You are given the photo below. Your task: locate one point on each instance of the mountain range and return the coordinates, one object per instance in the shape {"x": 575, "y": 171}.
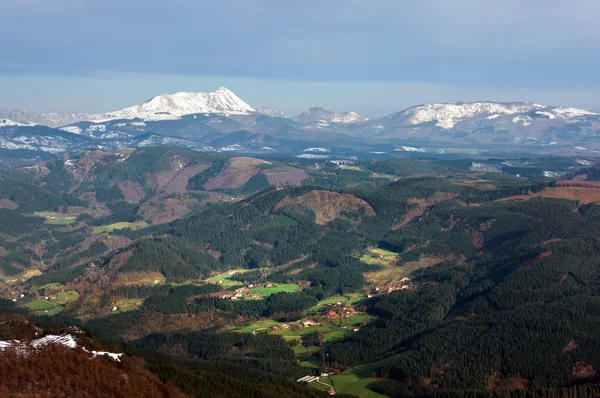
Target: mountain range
{"x": 221, "y": 121}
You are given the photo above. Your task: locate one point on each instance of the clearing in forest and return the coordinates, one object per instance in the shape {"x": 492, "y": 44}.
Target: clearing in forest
{"x": 392, "y": 269}
{"x": 356, "y": 380}
{"x": 224, "y": 279}
{"x": 237, "y": 172}
{"x": 54, "y": 218}
{"x": 328, "y": 205}
{"x": 120, "y": 225}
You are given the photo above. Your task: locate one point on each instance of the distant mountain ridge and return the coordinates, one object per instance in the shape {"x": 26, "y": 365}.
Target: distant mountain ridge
{"x": 447, "y": 115}
{"x": 221, "y": 121}
{"x": 161, "y": 107}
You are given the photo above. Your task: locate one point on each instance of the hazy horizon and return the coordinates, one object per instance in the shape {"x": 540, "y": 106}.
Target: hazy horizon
{"x": 374, "y": 57}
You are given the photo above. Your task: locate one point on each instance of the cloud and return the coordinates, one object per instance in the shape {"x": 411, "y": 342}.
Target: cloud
{"x": 515, "y": 43}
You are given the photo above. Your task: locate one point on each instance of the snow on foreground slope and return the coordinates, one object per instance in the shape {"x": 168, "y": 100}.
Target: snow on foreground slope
{"x": 172, "y": 106}
{"x": 66, "y": 340}
{"x": 447, "y": 115}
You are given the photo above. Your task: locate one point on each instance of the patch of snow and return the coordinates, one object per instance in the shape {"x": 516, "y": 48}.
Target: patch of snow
{"x": 494, "y": 116}
{"x": 347, "y": 118}
{"x": 316, "y": 150}
{"x": 71, "y": 129}
{"x": 573, "y": 112}
{"x": 66, "y": 339}
{"x": 377, "y": 153}
{"x": 554, "y": 174}
{"x": 12, "y": 123}
{"x": 115, "y": 134}
{"x": 547, "y": 114}
{"x": 581, "y": 148}
{"x": 524, "y": 119}
{"x": 116, "y": 357}
{"x": 232, "y": 148}
{"x": 96, "y": 128}
{"x": 267, "y": 148}
{"x": 409, "y": 149}
{"x": 312, "y": 156}
{"x": 484, "y": 168}
{"x": 583, "y": 162}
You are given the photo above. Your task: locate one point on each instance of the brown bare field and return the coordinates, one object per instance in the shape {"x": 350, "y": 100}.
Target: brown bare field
{"x": 511, "y": 384}
{"x": 161, "y": 209}
{"x": 572, "y": 346}
{"x": 236, "y": 173}
{"x": 579, "y": 194}
{"x": 8, "y": 204}
{"x": 328, "y": 205}
{"x": 286, "y": 176}
{"x": 581, "y": 370}
{"x": 531, "y": 262}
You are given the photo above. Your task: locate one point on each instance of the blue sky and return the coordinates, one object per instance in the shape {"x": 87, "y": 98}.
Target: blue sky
{"x": 371, "y": 56}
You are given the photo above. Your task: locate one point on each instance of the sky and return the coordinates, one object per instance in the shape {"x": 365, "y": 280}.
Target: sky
{"x": 371, "y": 56}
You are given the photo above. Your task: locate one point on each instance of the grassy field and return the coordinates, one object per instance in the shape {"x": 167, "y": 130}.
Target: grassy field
{"x": 390, "y": 273}
{"x": 302, "y": 356}
{"x": 52, "y": 306}
{"x": 125, "y": 305}
{"x": 224, "y": 279}
{"x": 40, "y": 305}
{"x": 30, "y": 274}
{"x": 120, "y": 225}
{"x": 268, "y": 291}
{"x": 347, "y": 300}
{"x": 264, "y": 324}
{"x": 63, "y": 298}
{"x": 56, "y": 218}
{"x": 380, "y": 257}
{"x": 355, "y": 380}
{"x": 333, "y": 330}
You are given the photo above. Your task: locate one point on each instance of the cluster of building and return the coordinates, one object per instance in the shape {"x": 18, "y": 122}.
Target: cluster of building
{"x": 241, "y": 292}
{"x": 392, "y": 288}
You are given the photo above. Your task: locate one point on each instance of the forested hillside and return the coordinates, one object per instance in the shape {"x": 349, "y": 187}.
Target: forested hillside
{"x": 402, "y": 277}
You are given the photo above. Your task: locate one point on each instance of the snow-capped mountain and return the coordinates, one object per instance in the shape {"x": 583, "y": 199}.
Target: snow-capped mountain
{"x": 51, "y": 119}
{"x": 323, "y": 117}
{"x": 272, "y": 112}
{"x": 161, "y": 107}
{"x": 446, "y": 116}
{"x": 172, "y": 106}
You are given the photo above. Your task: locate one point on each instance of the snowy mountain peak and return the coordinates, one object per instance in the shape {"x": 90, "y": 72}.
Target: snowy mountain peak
{"x": 172, "y": 106}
